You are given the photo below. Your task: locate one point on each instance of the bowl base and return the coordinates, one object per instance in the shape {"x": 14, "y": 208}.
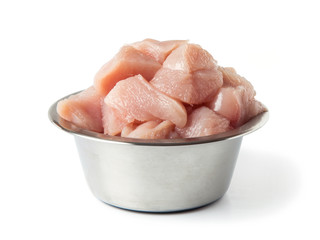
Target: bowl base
{"x": 163, "y": 212}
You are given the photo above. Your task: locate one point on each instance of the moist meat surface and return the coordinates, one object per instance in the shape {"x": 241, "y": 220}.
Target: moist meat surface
{"x": 163, "y": 89}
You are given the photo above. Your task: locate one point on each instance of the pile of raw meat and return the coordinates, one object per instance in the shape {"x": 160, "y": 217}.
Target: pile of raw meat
{"x": 159, "y": 90}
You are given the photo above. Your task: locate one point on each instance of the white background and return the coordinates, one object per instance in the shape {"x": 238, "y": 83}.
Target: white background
{"x": 49, "y": 49}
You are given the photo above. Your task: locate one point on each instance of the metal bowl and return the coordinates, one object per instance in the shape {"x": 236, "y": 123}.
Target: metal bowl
{"x": 158, "y": 175}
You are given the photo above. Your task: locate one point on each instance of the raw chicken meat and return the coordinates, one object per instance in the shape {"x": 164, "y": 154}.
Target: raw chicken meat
{"x": 236, "y": 104}
{"x": 149, "y": 130}
{"x": 254, "y": 108}
{"x": 189, "y": 74}
{"x": 235, "y": 100}
{"x": 163, "y": 90}
{"x": 111, "y": 120}
{"x": 189, "y": 88}
{"x": 127, "y": 63}
{"x": 83, "y": 109}
{"x": 156, "y": 49}
{"x": 190, "y": 58}
{"x": 203, "y": 122}
{"x": 232, "y": 79}
{"x": 136, "y": 99}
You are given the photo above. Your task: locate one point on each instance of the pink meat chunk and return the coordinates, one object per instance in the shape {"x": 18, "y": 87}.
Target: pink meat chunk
{"x": 136, "y": 99}
{"x": 254, "y": 108}
{"x": 174, "y": 135}
{"x": 149, "y": 130}
{"x": 194, "y": 88}
{"x": 232, "y": 79}
{"x": 190, "y": 58}
{"x": 163, "y": 90}
{"x": 236, "y": 104}
{"x": 159, "y": 51}
{"x": 189, "y": 74}
{"x": 127, "y": 63}
{"x": 111, "y": 120}
{"x": 83, "y": 109}
{"x": 203, "y": 122}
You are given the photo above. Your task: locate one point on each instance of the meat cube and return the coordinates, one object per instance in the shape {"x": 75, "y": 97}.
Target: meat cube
{"x": 236, "y": 104}
{"x": 159, "y": 51}
{"x": 127, "y": 63}
{"x": 83, "y": 109}
{"x": 154, "y": 129}
{"x": 203, "y": 122}
{"x": 136, "y": 99}
{"x": 190, "y": 58}
{"x": 189, "y": 74}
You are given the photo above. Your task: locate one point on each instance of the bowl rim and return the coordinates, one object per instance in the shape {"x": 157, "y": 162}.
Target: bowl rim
{"x": 249, "y": 127}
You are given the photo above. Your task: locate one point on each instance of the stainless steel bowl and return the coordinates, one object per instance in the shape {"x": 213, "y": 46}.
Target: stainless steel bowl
{"x": 158, "y": 175}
